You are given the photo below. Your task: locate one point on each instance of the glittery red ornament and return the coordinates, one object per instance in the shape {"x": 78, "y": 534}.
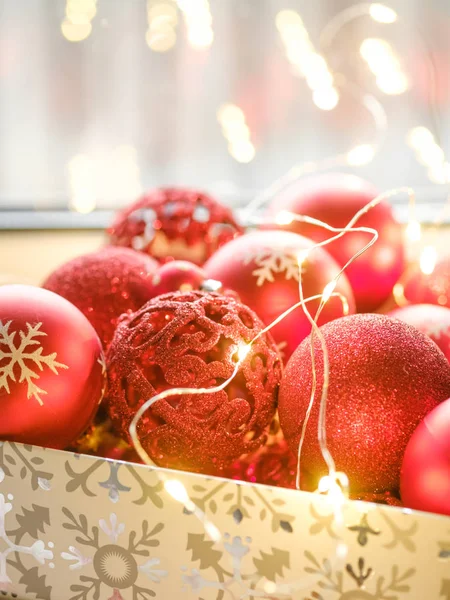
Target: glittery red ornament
{"x": 192, "y": 339}
{"x": 419, "y": 288}
{"x": 425, "y": 475}
{"x": 272, "y": 464}
{"x": 105, "y": 284}
{"x": 52, "y": 371}
{"x": 262, "y": 267}
{"x": 177, "y": 276}
{"x": 335, "y": 198}
{"x": 385, "y": 376}
{"x": 430, "y": 319}
{"x": 175, "y": 223}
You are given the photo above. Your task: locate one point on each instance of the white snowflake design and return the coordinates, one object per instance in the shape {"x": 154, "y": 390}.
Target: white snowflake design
{"x": 272, "y": 261}
{"x": 17, "y": 355}
{"x": 37, "y": 549}
{"x": 437, "y": 330}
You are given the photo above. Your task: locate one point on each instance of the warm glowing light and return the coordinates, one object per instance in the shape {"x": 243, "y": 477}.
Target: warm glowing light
{"x": 270, "y": 587}
{"x": 177, "y": 490}
{"x": 420, "y": 136}
{"x": 161, "y": 41}
{"x": 163, "y": 9}
{"x": 229, "y": 113}
{"x": 83, "y": 202}
{"x": 242, "y": 151}
{"x": 284, "y": 217}
{"x": 384, "y": 64}
{"x": 75, "y": 32}
{"x": 328, "y": 290}
{"x": 382, "y": 13}
{"x": 237, "y": 132}
{"x": 440, "y": 173}
{"x": 414, "y": 231}
{"x": 243, "y": 351}
{"x": 305, "y": 61}
{"x": 428, "y": 260}
{"x": 212, "y": 531}
{"x": 361, "y": 155}
{"x": 431, "y": 154}
{"x": 392, "y": 83}
{"x": 302, "y": 257}
{"x": 326, "y": 99}
{"x": 198, "y": 19}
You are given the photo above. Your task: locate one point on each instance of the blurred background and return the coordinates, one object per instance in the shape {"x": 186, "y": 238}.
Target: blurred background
{"x": 100, "y": 100}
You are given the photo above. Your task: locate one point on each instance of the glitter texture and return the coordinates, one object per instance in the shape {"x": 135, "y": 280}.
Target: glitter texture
{"x": 175, "y": 223}
{"x": 105, "y": 284}
{"x": 385, "y": 376}
{"x": 191, "y": 340}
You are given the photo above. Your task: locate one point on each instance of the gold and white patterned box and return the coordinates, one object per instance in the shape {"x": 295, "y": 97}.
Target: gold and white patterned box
{"x": 81, "y": 528}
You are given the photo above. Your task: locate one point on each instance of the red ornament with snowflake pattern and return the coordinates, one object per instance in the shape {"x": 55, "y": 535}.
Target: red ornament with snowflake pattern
{"x": 175, "y": 223}
{"x": 52, "y": 371}
{"x": 192, "y": 340}
{"x": 262, "y": 268}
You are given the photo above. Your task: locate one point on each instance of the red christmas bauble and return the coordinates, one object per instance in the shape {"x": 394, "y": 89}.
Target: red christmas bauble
{"x": 430, "y": 319}
{"x": 177, "y": 276}
{"x": 262, "y": 267}
{"x": 105, "y": 284}
{"x": 175, "y": 223}
{"x": 385, "y": 376}
{"x": 272, "y": 464}
{"x": 52, "y": 370}
{"x": 425, "y": 475}
{"x": 335, "y": 198}
{"x": 192, "y": 340}
{"x": 419, "y": 288}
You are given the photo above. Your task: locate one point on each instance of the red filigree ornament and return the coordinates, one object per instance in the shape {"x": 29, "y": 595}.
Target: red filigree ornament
{"x": 335, "y": 198}
{"x": 177, "y": 276}
{"x": 433, "y": 288}
{"x": 262, "y": 267}
{"x": 175, "y": 223}
{"x": 52, "y": 370}
{"x": 385, "y": 376}
{"x": 105, "y": 284}
{"x": 430, "y": 319}
{"x": 425, "y": 475}
{"x": 193, "y": 340}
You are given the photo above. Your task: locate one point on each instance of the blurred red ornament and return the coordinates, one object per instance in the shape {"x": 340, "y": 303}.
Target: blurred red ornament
{"x": 273, "y": 464}
{"x": 385, "y": 376}
{"x": 52, "y": 371}
{"x": 177, "y": 276}
{"x": 430, "y": 319}
{"x": 425, "y": 476}
{"x": 193, "y": 340}
{"x": 105, "y": 284}
{"x": 262, "y": 268}
{"x": 335, "y": 198}
{"x": 175, "y": 223}
{"x": 434, "y": 288}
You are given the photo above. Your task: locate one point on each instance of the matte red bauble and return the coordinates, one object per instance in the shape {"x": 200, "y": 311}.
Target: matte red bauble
{"x": 419, "y": 288}
{"x": 385, "y": 376}
{"x": 425, "y": 476}
{"x": 430, "y": 319}
{"x": 177, "y": 276}
{"x": 175, "y": 223}
{"x": 192, "y": 340}
{"x": 104, "y": 285}
{"x": 335, "y": 198}
{"x": 52, "y": 371}
{"x": 262, "y": 267}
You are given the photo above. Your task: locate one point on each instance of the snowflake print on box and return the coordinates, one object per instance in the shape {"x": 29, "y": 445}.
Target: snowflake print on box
{"x": 51, "y": 371}
{"x": 262, "y": 267}
{"x": 19, "y": 355}
{"x": 30, "y": 522}
{"x": 110, "y": 564}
